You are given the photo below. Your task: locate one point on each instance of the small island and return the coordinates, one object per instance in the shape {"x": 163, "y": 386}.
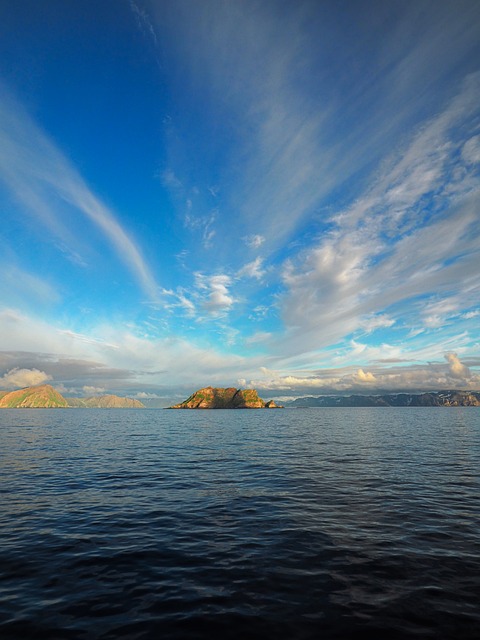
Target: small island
{"x": 230, "y": 398}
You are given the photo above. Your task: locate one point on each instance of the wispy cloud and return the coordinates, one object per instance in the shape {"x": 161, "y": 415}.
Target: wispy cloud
{"x": 48, "y": 186}
{"x": 414, "y": 233}
{"x": 144, "y": 22}
{"x": 254, "y": 241}
{"x": 374, "y": 322}
{"x": 16, "y": 281}
{"x": 308, "y": 132}
{"x": 204, "y": 225}
{"x": 253, "y": 269}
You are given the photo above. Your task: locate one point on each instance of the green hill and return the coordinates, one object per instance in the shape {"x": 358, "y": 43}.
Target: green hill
{"x": 106, "y": 402}
{"x": 41, "y": 397}
{"x": 46, "y": 397}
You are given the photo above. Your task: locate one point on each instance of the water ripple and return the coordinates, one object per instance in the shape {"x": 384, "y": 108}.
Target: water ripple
{"x": 341, "y": 523}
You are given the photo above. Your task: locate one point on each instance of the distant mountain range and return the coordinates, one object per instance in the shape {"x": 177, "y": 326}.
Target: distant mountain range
{"x": 46, "y": 397}
{"x": 432, "y": 399}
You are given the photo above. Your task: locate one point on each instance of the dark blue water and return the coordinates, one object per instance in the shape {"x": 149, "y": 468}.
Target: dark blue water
{"x": 321, "y": 523}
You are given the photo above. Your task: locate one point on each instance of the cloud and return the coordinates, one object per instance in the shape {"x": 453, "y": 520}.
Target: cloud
{"x": 381, "y": 378}
{"x": 471, "y": 314}
{"x": 363, "y": 377}
{"x": 252, "y": 269}
{"x": 260, "y": 337}
{"x": 414, "y": 233}
{"x": 254, "y": 241}
{"x": 203, "y": 224}
{"x": 170, "y": 180}
{"x": 456, "y": 368}
{"x": 144, "y": 22}
{"x": 47, "y": 185}
{"x": 218, "y": 301}
{"x": 471, "y": 150}
{"x": 86, "y": 339}
{"x": 16, "y": 283}
{"x": 372, "y": 323}
{"x": 93, "y": 391}
{"x": 181, "y": 302}
{"x": 143, "y": 395}
{"x": 142, "y": 363}
{"x": 20, "y": 378}
{"x": 311, "y": 125}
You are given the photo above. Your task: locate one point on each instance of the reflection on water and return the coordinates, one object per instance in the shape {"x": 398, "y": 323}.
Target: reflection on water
{"x": 331, "y": 523}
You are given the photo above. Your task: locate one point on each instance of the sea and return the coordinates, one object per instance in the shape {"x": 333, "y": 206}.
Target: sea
{"x": 282, "y": 524}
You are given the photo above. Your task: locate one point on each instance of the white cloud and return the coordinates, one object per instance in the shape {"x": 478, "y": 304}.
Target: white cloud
{"x": 213, "y": 293}
{"x": 202, "y": 224}
{"x": 456, "y": 368}
{"x": 144, "y": 22}
{"x": 254, "y": 241}
{"x": 380, "y": 321}
{"x": 181, "y": 302}
{"x": 471, "y": 150}
{"x": 420, "y": 377}
{"x": 20, "y": 378}
{"x": 86, "y": 339}
{"x": 169, "y": 179}
{"x": 252, "y": 269}
{"x": 361, "y": 352}
{"x": 93, "y": 391}
{"x": 260, "y": 337}
{"x": 16, "y": 282}
{"x": 363, "y": 377}
{"x": 219, "y": 300}
{"x": 168, "y": 362}
{"x": 143, "y": 395}
{"x": 387, "y": 247}
{"x": 293, "y": 157}
{"x": 44, "y": 181}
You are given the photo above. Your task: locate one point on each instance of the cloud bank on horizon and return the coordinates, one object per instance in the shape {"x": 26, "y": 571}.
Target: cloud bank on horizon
{"x": 282, "y": 195}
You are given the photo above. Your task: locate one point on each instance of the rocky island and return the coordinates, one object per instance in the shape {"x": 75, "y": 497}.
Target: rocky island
{"x": 230, "y": 398}
{"x": 46, "y": 397}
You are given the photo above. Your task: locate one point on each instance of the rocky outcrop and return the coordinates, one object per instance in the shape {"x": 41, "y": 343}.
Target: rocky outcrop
{"x": 230, "y": 398}
{"x": 46, "y": 397}
{"x": 272, "y": 405}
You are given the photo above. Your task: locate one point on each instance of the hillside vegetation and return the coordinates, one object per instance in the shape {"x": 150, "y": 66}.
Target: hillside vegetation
{"x": 42, "y": 397}
{"x": 229, "y": 398}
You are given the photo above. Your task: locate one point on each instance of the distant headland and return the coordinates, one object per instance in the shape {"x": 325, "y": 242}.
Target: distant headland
{"x": 230, "y": 398}
{"x": 46, "y": 397}
{"x": 431, "y": 399}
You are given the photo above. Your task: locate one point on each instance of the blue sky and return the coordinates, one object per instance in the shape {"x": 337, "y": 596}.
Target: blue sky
{"x": 271, "y": 194}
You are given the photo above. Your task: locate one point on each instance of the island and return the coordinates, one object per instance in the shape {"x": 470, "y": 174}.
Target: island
{"x": 230, "y": 398}
{"x": 46, "y": 397}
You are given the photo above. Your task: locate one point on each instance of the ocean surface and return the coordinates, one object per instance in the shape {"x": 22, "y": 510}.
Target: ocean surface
{"x": 301, "y": 523}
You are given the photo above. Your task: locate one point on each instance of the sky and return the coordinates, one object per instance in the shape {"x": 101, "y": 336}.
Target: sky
{"x": 279, "y": 195}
